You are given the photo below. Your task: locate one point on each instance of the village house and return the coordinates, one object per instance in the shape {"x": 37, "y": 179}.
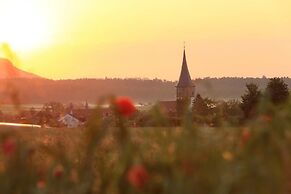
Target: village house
{"x": 70, "y": 121}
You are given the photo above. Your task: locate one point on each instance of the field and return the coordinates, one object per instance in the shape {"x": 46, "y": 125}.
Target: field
{"x": 108, "y": 157}
{"x": 12, "y": 110}
{"x": 44, "y": 136}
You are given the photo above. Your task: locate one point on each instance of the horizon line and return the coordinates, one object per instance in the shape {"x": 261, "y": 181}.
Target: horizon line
{"x": 144, "y": 78}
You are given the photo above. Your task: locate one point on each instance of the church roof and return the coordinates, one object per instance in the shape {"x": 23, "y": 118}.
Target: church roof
{"x": 185, "y": 78}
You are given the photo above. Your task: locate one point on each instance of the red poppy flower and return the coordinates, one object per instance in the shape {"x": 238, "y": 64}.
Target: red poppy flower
{"x": 40, "y": 184}
{"x": 58, "y": 171}
{"x": 245, "y": 136}
{"x": 124, "y": 106}
{"x": 137, "y": 176}
{"x": 9, "y": 146}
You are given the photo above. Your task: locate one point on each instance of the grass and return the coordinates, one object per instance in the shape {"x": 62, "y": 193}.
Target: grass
{"x": 253, "y": 158}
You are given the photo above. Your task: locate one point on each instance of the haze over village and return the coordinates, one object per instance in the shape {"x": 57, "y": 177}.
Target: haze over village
{"x": 74, "y": 100}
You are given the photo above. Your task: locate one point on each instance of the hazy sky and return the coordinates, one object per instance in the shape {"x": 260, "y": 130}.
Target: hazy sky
{"x": 144, "y": 38}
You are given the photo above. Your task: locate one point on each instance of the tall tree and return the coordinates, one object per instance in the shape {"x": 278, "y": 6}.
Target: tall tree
{"x": 230, "y": 109}
{"x": 203, "y": 106}
{"x": 250, "y": 100}
{"x": 199, "y": 106}
{"x": 277, "y": 91}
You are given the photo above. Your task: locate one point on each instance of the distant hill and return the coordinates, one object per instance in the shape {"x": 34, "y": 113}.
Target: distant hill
{"x": 230, "y": 87}
{"x": 141, "y": 90}
{"x": 9, "y": 71}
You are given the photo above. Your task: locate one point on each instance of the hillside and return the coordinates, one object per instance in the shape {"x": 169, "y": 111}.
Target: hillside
{"x": 9, "y": 71}
{"x": 141, "y": 90}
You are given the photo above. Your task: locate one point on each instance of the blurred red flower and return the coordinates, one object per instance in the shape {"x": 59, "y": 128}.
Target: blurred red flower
{"x": 125, "y": 106}
{"x": 188, "y": 167}
{"x": 9, "y": 146}
{"x": 58, "y": 171}
{"x": 40, "y": 184}
{"x": 266, "y": 118}
{"x": 245, "y": 136}
{"x": 137, "y": 176}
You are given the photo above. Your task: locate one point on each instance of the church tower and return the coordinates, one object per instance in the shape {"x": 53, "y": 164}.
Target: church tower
{"x": 185, "y": 87}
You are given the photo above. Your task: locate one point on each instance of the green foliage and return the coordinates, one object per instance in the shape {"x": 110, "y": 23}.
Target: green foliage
{"x": 277, "y": 91}
{"x": 214, "y": 113}
{"x": 50, "y": 114}
{"x": 230, "y": 111}
{"x": 203, "y": 106}
{"x": 250, "y": 100}
{"x": 107, "y": 157}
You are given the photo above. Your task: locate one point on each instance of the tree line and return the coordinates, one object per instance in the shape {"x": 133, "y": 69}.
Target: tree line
{"x": 40, "y": 91}
{"x": 214, "y": 112}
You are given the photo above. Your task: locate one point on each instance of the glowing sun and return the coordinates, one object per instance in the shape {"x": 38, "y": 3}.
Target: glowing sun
{"x": 24, "y": 25}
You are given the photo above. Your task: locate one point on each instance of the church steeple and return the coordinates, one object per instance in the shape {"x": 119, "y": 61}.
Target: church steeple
{"x": 185, "y": 86}
{"x": 185, "y": 78}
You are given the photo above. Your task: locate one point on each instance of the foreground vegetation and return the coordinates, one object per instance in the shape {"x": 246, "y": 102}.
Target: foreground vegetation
{"x": 108, "y": 157}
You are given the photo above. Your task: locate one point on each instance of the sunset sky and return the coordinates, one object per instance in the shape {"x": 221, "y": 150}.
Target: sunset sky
{"x": 144, "y": 38}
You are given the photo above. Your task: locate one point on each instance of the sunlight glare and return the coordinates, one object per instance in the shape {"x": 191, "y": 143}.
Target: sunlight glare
{"x": 23, "y": 25}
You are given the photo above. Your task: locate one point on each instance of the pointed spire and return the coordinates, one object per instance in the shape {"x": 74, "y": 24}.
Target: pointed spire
{"x": 185, "y": 78}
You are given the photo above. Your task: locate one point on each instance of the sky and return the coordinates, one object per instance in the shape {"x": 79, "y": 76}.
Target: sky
{"x": 68, "y": 39}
